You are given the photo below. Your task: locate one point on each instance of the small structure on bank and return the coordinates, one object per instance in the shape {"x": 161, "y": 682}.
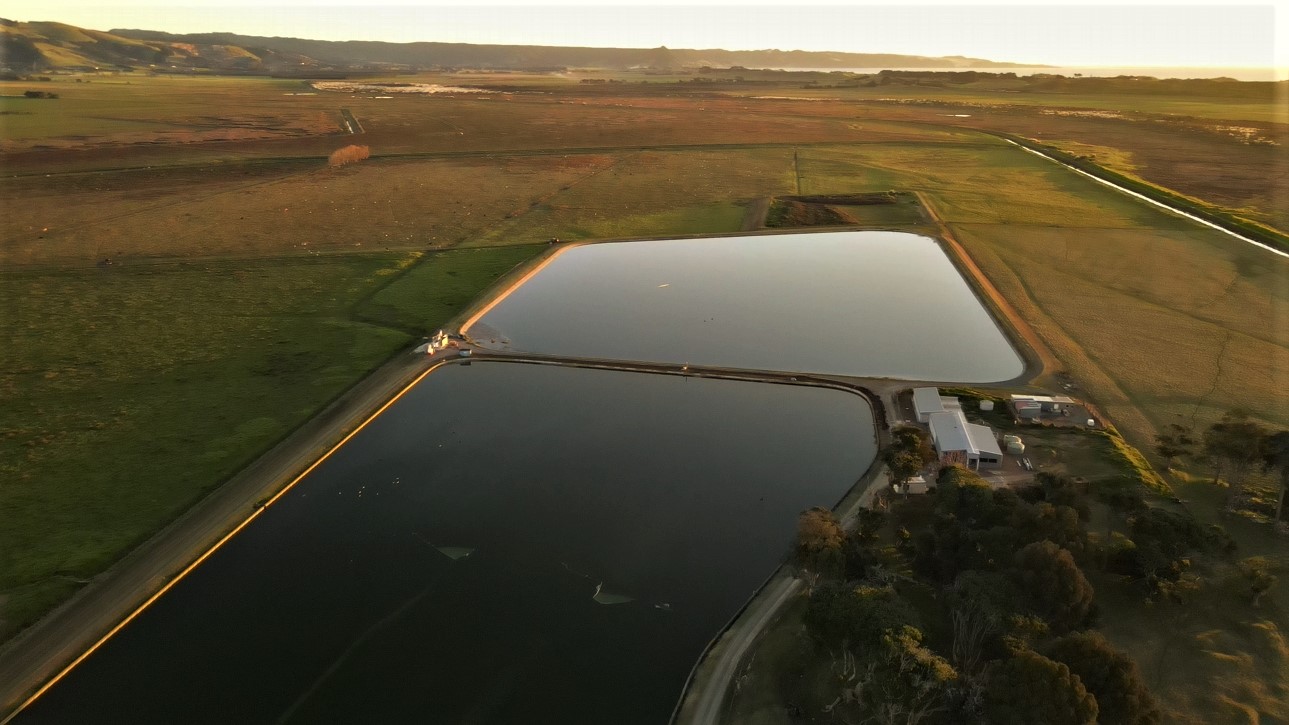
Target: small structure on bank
{"x": 1032, "y": 407}
{"x": 443, "y": 340}
{"x": 915, "y": 485}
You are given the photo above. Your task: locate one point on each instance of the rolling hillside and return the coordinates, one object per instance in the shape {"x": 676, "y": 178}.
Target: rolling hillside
{"x": 35, "y": 46}
{"x": 41, "y": 46}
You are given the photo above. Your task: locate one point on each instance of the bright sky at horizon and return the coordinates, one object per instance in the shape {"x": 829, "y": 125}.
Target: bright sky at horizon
{"x": 1098, "y": 33}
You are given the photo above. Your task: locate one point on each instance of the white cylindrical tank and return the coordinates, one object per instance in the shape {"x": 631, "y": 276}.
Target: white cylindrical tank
{"x": 986, "y": 405}
{"x": 1015, "y": 448}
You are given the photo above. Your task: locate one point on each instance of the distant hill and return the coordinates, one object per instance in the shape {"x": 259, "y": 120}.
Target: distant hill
{"x": 51, "y": 46}
{"x": 37, "y": 46}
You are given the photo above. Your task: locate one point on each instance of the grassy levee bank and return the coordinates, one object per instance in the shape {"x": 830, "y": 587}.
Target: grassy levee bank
{"x": 1208, "y": 212}
{"x": 118, "y": 418}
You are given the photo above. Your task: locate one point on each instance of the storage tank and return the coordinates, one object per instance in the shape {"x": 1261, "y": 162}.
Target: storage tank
{"x": 986, "y": 405}
{"x": 1015, "y": 448}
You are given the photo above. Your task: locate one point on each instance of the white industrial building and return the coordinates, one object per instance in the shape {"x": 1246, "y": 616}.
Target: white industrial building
{"x": 927, "y": 401}
{"x": 960, "y": 443}
{"x": 1035, "y": 406}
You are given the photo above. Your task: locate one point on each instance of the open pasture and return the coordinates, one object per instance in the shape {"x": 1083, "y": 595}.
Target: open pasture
{"x": 82, "y": 138}
{"x": 1233, "y": 154}
{"x": 134, "y": 108}
{"x": 295, "y": 209}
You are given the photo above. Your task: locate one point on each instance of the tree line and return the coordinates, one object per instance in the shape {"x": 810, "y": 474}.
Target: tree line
{"x": 1234, "y": 447}
{"x": 984, "y": 612}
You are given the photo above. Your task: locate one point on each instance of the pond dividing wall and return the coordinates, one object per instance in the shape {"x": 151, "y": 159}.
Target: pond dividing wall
{"x": 507, "y": 543}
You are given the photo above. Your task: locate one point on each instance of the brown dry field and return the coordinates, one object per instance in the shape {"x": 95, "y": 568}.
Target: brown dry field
{"x": 592, "y": 162}
{"x": 1209, "y": 159}
{"x": 301, "y": 210}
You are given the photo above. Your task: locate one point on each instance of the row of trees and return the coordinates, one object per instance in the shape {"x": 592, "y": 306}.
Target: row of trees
{"x": 1234, "y": 446}
{"x": 983, "y": 614}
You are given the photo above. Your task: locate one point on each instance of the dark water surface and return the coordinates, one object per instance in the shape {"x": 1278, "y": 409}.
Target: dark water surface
{"x": 873, "y": 304}
{"x": 344, "y": 603}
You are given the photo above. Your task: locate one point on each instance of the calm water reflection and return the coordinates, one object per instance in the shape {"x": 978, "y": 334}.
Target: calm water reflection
{"x": 444, "y": 566}
{"x": 881, "y": 304}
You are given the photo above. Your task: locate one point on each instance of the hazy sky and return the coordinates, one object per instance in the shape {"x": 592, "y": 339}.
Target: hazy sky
{"x": 1090, "y": 33}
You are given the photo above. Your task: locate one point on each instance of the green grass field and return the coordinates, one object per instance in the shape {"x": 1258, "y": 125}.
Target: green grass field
{"x": 298, "y": 209}
{"x": 119, "y": 418}
{"x": 129, "y": 106}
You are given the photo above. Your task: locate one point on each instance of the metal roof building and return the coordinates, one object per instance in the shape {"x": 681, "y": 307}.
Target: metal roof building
{"x": 962, "y": 443}
{"x": 928, "y": 400}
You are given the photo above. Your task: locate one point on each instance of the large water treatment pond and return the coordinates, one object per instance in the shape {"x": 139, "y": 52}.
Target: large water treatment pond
{"x": 874, "y": 304}
{"x": 508, "y": 543}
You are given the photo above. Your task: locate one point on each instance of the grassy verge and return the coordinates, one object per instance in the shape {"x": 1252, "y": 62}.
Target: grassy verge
{"x": 441, "y": 285}
{"x": 135, "y": 390}
{"x": 1195, "y": 207}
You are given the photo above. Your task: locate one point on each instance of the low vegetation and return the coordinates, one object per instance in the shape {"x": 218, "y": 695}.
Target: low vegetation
{"x": 881, "y": 209}
{"x": 350, "y": 154}
{"x": 1235, "y": 449}
{"x": 791, "y": 213}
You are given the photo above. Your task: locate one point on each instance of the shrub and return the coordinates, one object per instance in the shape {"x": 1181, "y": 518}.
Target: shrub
{"x": 1029, "y": 688}
{"x": 348, "y": 155}
{"x": 1111, "y": 676}
{"x": 1054, "y": 584}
